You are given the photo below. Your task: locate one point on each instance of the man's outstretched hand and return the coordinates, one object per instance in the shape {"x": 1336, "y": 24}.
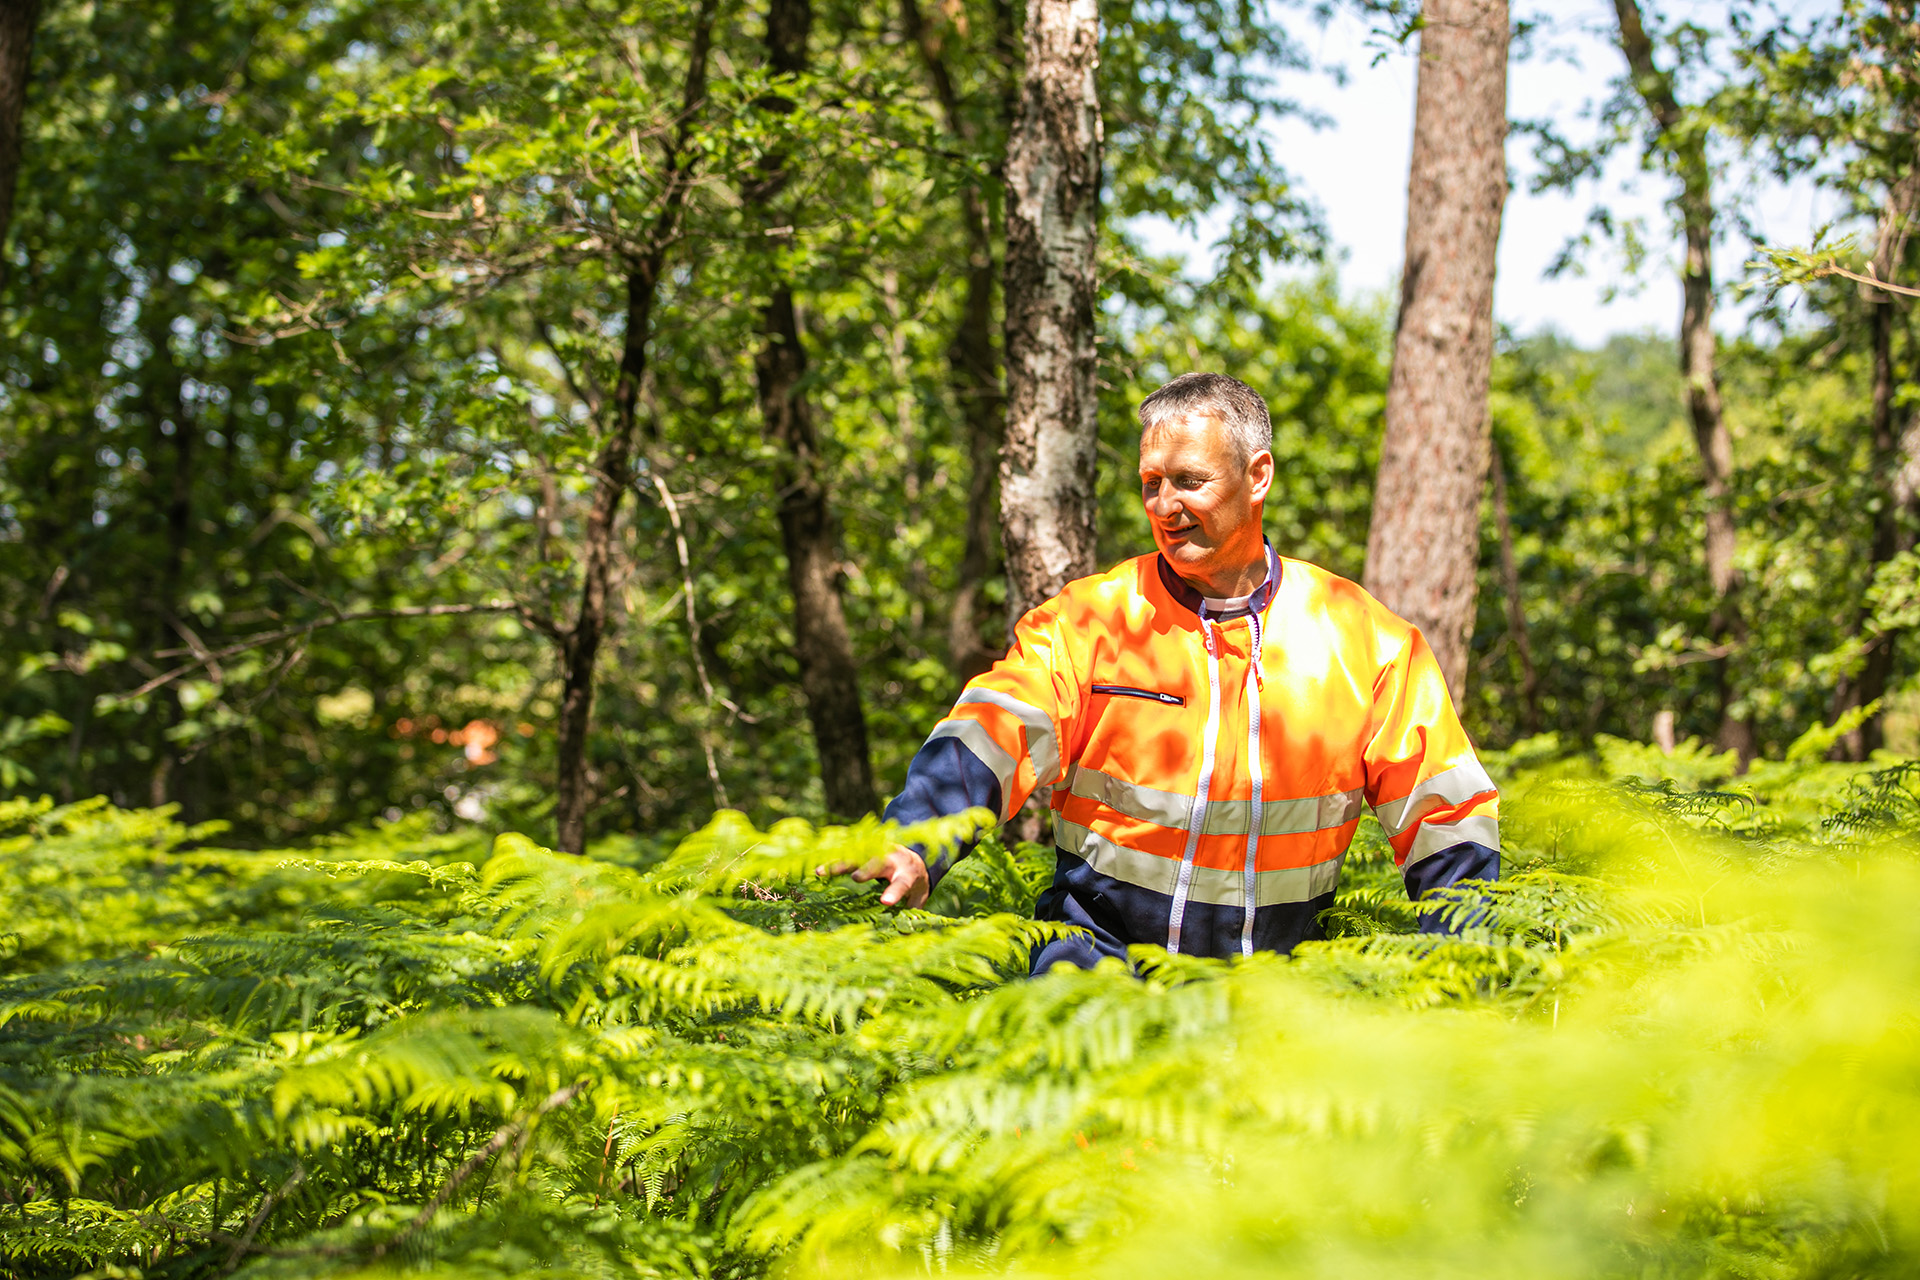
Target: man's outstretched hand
{"x": 903, "y": 870}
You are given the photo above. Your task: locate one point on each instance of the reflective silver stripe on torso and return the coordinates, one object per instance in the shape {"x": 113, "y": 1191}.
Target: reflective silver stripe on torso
{"x": 1212, "y": 885}
{"x": 1293, "y": 817}
{"x": 1198, "y": 817}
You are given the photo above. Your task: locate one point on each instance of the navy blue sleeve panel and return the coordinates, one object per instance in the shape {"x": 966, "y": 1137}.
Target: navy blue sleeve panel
{"x": 945, "y": 778}
{"x": 1463, "y": 861}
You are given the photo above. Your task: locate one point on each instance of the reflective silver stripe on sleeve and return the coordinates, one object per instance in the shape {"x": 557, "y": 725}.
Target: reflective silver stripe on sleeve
{"x": 974, "y": 737}
{"x": 1205, "y": 884}
{"x": 1224, "y": 817}
{"x": 1435, "y": 836}
{"x": 1449, "y": 787}
{"x": 1043, "y": 749}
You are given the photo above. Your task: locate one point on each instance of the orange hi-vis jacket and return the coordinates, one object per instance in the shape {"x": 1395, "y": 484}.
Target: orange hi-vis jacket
{"x": 1207, "y": 772}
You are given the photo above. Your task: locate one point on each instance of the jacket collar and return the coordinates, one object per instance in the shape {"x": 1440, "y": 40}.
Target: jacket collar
{"x": 1189, "y": 598}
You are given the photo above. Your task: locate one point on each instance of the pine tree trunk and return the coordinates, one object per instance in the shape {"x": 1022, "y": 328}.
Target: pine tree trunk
{"x": 1687, "y": 152}
{"x": 823, "y": 643}
{"x": 579, "y": 643}
{"x": 1053, "y": 187}
{"x": 1890, "y": 537}
{"x": 18, "y": 18}
{"x": 1423, "y": 542}
{"x": 973, "y": 644}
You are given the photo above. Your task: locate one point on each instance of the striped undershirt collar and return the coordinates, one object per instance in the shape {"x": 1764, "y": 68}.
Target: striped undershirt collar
{"x": 1190, "y": 598}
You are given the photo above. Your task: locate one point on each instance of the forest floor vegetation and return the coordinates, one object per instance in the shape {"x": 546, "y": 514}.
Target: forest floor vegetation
{"x": 1676, "y": 1039}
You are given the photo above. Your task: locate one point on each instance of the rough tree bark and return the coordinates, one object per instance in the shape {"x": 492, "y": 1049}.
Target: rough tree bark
{"x": 18, "y": 18}
{"x": 1890, "y": 536}
{"x": 1053, "y": 189}
{"x": 1423, "y": 542}
{"x": 1685, "y": 144}
{"x": 579, "y": 642}
{"x": 823, "y": 644}
{"x": 973, "y": 364}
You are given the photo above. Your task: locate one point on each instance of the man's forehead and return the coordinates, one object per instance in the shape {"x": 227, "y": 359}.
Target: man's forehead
{"x": 1203, "y": 429}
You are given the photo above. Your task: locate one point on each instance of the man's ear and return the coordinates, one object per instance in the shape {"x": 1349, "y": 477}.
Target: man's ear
{"x": 1260, "y": 475}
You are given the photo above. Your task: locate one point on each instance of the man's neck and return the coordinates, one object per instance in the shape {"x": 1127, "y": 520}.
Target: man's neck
{"x": 1240, "y": 580}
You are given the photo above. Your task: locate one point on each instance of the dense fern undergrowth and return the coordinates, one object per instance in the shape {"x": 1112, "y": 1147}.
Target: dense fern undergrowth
{"x": 1679, "y": 1038}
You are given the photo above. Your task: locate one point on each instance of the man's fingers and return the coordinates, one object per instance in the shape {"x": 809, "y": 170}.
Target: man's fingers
{"x": 902, "y": 869}
{"x": 898, "y": 883}
{"x": 908, "y": 885}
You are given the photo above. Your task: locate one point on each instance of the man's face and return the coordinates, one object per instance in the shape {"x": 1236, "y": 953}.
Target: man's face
{"x": 1204, "y": 503}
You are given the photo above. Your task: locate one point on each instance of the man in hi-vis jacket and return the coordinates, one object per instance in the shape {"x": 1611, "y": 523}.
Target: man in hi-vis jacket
{"x": 1211, "y": 719}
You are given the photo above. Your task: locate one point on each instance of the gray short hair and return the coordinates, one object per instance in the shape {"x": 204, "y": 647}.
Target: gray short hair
{"x": 1230, "y": 402}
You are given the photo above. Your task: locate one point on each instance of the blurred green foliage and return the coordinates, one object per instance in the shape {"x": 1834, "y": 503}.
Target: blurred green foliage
{"x": 307, "y": 309}
{"x": 425, "y": 204}
{"x": 1606, "y": 515}
{"x": 1659, "y": 1047}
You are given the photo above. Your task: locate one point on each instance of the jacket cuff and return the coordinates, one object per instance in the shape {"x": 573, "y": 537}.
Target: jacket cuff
{"x": 944, "y": 779}
{"x": 1464, "y": 861}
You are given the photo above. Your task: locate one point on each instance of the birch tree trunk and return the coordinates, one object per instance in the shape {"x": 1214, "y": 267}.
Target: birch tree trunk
{"x": 1423, "y": 542}
{"x": 1053, "y": 189}
{"x": 1686, "y": 150}
{"x": 18, "y": 18}
{"x": 823, "y": 644}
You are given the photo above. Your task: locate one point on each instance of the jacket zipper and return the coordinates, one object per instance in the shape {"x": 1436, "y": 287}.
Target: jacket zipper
{"x": 1249, "y": 878}
{"x": 1198, "y": 819}
{"x": 1197, "y": 822}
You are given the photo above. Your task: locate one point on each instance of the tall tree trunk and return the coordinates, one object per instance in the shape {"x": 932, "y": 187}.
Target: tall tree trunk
{"x": 1890, "y": 536}
{"x": 18, "y": 18}
{"x": 172, "y": 496}
{"x": 974, "y": 644}
{"x": 1686, "y": 151}
{"x": 579, "y": 643}
{"x": 1053, "y": 190}
{"x": 1423, "y": 542}
{"x": 823, "y": 644}
{"x": 973, "y": 364}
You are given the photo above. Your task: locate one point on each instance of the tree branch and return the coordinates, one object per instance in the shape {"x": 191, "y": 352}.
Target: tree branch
{"x": 203, "y": 657}
{"x": 1835, "y": 269}
{"x": 693, "y": 631}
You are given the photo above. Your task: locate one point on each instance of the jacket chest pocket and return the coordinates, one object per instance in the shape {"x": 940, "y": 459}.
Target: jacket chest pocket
{"x": 1131, "y": 691}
